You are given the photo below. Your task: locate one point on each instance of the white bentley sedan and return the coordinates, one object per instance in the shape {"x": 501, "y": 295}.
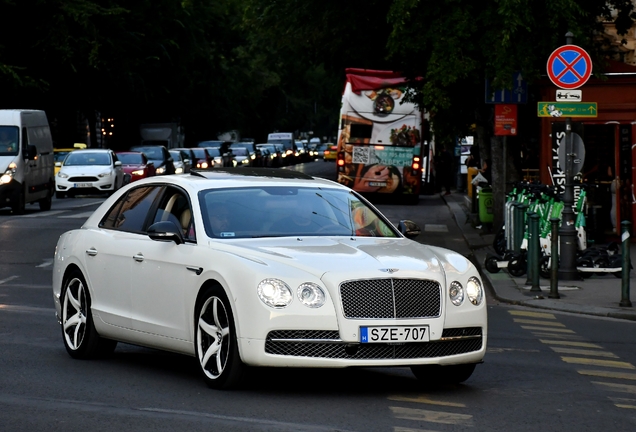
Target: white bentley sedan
{"x": 265, "y": 267}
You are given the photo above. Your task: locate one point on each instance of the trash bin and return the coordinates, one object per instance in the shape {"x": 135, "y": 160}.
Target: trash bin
{"x": 486, "y": 205}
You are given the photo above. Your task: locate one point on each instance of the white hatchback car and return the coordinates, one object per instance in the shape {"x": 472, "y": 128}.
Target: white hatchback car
{"x": 265, "y": 267}
{"x": 88, "y": 171}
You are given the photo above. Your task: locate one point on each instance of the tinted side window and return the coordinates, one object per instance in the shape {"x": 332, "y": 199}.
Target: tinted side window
{"x": 130, "y": 212}
{"x": 175, "y": 206}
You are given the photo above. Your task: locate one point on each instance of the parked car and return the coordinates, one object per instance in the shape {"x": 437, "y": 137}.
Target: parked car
{"x": 181, "y": 165}
{"x": 137, "y": 165}
{"x": 160, "y": 157}
{"x": 202, "y": 158}
{"x": 89, "y": 171}
{"x": 265, "y": 267}
{"x": 331, "y": 153}
{"x": 60, "y": 153}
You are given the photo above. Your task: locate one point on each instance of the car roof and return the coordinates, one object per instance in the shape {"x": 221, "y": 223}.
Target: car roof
{"x": 242, "y": 177}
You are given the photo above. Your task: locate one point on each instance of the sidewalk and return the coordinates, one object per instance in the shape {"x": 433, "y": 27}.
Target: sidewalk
{"x": 597, "y": 295}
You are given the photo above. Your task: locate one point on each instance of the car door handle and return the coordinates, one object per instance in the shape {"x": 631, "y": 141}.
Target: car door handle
{"x": 91, "y": 252}
{"x": 139, "y": 257}
{"x": 197, "y": 270}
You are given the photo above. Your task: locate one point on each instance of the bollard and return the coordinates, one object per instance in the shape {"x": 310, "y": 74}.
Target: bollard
{"x": 534, "y": 246}
{"x": 519, "y": 225}
{"x": 626, "y": 265}
{"x": 554, "y": 261}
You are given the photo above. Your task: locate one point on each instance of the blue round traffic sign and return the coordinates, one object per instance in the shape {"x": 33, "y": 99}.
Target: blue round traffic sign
{"x": 569, "y": 67}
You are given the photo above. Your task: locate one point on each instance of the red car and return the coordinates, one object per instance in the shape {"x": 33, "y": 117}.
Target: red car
{"x": 136, "y": 164}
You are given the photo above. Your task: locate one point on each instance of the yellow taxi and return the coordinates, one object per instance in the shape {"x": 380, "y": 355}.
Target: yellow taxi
{"x": 60, "y": 153}
{"x": 331, "y": 152}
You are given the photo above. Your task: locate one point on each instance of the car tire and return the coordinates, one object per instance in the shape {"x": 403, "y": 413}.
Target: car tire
{"x": 434, "y": 375}
{"x": 19, "y": 203}
{"x": 81, "y": 339}
{"x": 215, "y": 340}
{"x": 45, "y": 203}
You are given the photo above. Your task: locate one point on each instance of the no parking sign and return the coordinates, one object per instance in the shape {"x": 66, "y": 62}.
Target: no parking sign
{"x": 569, "y": 67}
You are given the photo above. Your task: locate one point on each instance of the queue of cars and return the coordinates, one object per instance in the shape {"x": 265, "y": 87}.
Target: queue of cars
{"x": 150, "y": 160}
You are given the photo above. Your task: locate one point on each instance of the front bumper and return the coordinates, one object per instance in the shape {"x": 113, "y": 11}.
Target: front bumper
{"x": 305, "y": 348}
{"x": 85, "y": 185}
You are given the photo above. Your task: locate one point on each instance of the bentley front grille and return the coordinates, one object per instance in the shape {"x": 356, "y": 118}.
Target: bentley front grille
{"x": 391, "y": 298}
{"x": 330, "y": 346}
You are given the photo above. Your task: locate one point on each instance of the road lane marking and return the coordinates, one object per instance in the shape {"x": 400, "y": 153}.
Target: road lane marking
{"x": 532, "y": 314}
{"x": 46, "y": 263}
{"x": 608, "y": 374}
{"x": 547, "y": 329}
{"x": 569, "y": 337}
{"x": 425, "y": 400}
{"x": 77, "y": 216}
{"x": 583, "y": 352}
{"x": 624, "y": 403}
{"x": 432, "y": 416}
{"x": 569, "y": 343}
{"x": 27, "y": 309}
{"x": 403, "y": 429}
{"x": 623, "y": 388}
{"x": 597, "y": 362}
{"x": 10, "y": 278}
{"x": 43, "y": 214}
{"x": 545, "y": 323}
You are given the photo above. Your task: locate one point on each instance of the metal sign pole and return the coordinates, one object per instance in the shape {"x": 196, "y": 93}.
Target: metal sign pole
{"x": 567, "y": 233}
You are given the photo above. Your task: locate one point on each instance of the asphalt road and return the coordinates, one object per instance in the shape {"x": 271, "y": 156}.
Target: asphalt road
{"x": 542, "y": 371}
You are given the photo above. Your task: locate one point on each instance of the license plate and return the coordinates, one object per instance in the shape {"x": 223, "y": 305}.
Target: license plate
{"x": 394, "y": 334}
{"x": 377, "y": 184}
{"x": 83, "y": 185}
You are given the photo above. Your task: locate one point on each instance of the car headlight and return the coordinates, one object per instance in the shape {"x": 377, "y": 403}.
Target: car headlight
{"x": 104, "y": 174}
{"x": 161, "y": 170}
{"x": 311, "y": 295}
{"x": 474, "y": 291}
{"x": 456, "y": 293}
{"x": 138, "y": 172}
{"x": 178, "y": 170}
{"x": 6, "y": 177}
{"x": 274, "y": 293}
{"x": 62, "y": 175}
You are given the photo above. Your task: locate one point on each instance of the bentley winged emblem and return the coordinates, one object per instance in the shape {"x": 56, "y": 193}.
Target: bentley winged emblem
{"x": 389, "y": 270}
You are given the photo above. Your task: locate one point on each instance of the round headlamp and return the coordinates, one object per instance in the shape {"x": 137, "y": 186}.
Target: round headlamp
{"x": 456, "y": 293}
{"x": 311, "y": 295}
{"x": 274, "y": 293}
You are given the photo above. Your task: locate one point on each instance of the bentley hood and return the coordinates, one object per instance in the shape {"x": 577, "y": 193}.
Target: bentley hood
{"x": 355, "y": 257}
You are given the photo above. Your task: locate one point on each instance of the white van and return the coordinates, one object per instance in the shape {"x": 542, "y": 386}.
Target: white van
{"x": 26, "y": 160}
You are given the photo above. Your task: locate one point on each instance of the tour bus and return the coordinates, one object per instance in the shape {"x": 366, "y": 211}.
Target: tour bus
{"x": 380, "y": 146}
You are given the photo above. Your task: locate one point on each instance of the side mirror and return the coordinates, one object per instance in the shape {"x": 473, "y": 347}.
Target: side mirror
{"x": 409, "y": 229}
{"x": 58, "y": 164}
{"x": 166, "y": 231}
{"x": 32, "y": 152}
{"x": 117, "y": 163}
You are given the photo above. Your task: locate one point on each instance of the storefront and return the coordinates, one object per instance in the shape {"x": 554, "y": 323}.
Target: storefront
{"x": 609, "y": 141}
